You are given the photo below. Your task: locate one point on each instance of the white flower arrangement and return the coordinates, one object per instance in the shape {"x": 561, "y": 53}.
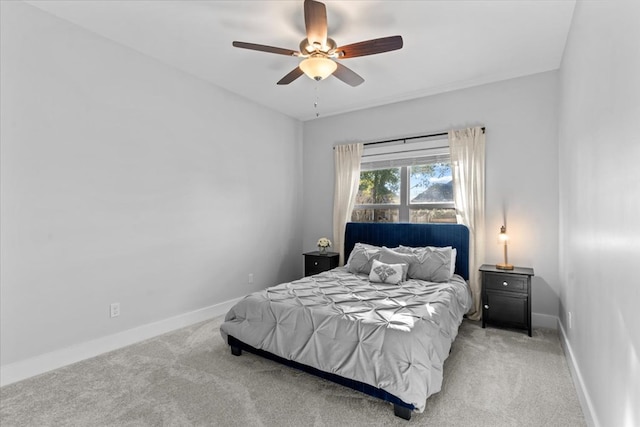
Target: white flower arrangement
{"x": 323, "y": 242}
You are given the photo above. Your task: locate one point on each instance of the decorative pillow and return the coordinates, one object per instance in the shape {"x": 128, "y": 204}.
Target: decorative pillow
{"x": 445, "y": 249}
{"x": 386, "y": 273}
{"x": 391, "y": 256}
{"x": 361, "y": 258}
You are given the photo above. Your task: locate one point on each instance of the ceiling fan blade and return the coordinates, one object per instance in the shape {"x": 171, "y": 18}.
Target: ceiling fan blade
{"x": 315, "y": 20}
{"x": 294, "y": 74}
{"x": 370, "y": 47}
{"x": 264, "y": 48}
{"x": 347, "y": 75}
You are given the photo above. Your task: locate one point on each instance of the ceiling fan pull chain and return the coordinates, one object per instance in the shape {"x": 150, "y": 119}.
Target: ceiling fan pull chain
{"x": 315, "y": 104}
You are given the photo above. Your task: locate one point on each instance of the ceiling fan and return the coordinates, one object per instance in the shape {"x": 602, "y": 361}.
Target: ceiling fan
{"x": 319, "y": 51}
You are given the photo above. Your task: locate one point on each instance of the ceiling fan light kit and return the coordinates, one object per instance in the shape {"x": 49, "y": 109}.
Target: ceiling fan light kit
{"x": 318, "y": 67}
{"x": 320, "y": 52}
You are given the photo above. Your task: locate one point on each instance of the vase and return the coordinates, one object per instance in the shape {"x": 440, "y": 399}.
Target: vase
{"x": 322, "y": 250}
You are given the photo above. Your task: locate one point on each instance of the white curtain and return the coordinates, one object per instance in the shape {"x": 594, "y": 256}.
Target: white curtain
{"x": 467, "y": 148}
{"x": 347, "y": 178}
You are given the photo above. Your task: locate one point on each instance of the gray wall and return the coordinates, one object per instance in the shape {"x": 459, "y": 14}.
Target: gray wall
{"x": 521, "y": 161}
{"x": 600, "y": 208}
{"x": 125, "y": 180}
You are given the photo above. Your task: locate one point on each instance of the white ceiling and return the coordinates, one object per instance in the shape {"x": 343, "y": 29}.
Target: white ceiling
{"x": 448, "y": 45}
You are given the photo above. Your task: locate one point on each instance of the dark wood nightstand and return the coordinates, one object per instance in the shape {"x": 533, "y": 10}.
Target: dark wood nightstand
{"x": 315, "y": 262}
{"x": 506, "y": 296}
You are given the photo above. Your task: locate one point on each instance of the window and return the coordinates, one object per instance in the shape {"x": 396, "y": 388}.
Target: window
{"x": 410, "y": 189}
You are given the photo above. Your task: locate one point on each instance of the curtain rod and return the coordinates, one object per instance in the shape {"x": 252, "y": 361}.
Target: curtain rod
{"x": 411, "y": 137}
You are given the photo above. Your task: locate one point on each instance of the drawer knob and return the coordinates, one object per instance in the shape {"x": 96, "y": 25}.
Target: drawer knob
{"x": 315, "y": 263}
{"x": 505, "y": 284}
{"x": 486, "y": 306}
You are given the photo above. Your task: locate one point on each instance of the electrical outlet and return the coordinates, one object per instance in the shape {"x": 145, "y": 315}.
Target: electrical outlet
{"x": 570, "y": 320}
{"x": 115, "y": 309}
{"x": 250, "y": 278}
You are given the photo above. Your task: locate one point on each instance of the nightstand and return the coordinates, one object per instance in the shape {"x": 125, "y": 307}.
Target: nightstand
{"x": 506, "y": 296}
{"x": 315, "y": 262}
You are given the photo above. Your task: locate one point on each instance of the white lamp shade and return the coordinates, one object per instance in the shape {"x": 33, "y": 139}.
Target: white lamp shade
{"x": 318, "y": 68}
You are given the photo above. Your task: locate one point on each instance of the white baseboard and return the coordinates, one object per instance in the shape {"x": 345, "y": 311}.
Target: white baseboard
{"x": 539, "y": 320}
{"x": 17, "y": 371}
{"x": 583, "y": 395}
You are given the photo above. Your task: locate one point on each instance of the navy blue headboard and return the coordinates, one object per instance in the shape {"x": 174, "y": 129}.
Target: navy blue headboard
{"x": 392, "y": 235}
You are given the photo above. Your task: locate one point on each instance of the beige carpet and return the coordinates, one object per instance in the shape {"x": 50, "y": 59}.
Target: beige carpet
{"x": 493, "y": 377}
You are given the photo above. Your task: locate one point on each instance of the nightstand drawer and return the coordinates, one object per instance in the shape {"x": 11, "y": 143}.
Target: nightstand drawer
{"x": 505, "y": 282}
{"x": 315, "y": 262}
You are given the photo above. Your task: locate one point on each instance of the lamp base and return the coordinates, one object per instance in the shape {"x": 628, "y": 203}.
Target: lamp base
{"x": 504, "y": 266}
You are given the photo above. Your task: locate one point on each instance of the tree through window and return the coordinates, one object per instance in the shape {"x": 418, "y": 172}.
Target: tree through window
{"x": 419, "y": 193}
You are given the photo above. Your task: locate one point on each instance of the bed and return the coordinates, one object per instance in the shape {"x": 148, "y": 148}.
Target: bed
{"x": 379, "y": 324}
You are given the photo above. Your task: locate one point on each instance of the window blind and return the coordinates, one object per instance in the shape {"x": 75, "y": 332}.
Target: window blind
{"x": 401, "y": 154}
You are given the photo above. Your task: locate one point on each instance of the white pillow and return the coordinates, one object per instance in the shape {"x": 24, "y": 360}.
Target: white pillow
{"x": 361, "y": 257}
{"x": 389, "y": 256}
{"x": 454, "y": 253}
{"x": 386, "y": 273}
{"x": 417, "y": 250}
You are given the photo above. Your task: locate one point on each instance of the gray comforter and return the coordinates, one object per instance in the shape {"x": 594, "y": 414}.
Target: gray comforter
{"x": 394, "y": 337}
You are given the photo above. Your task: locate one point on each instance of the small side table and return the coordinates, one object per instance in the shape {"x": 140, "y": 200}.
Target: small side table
{"x": 506, "y": 296}
{"x": 315, "y": 262}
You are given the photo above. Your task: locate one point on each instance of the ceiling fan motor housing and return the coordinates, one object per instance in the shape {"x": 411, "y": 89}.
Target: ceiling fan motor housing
{"x": 308, "y": 48}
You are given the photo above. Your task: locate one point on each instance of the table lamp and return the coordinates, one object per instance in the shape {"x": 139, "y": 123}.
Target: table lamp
{"x": 504, "y": 238}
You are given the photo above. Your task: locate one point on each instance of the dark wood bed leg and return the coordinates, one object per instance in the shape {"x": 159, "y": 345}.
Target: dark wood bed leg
{"x": 236, "y": 351}
{"x": 236, "y": 346}
{"x": 402, "y": 412}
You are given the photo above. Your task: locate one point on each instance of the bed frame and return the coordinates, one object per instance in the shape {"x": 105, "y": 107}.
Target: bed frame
{"x": 390, "y": 235}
